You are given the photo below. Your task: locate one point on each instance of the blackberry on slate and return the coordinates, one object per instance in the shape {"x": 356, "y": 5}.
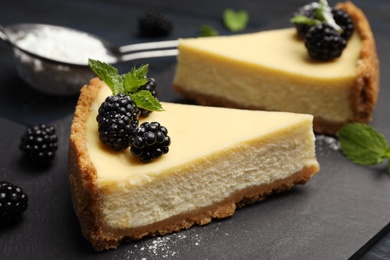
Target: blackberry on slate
{"x": 344, "y": 20}
{"x": 117, "y": 118}
{"x": 324, "y": 43}
{"x": 39, "y": 143}
{"x": 150, "y": 141}
{"x": 151, "y": 87}
{"x": 155, "y": 23}
{"x": 13, "y": 202}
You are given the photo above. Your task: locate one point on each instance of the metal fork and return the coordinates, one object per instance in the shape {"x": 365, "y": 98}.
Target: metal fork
{"x": 148, "y": 50}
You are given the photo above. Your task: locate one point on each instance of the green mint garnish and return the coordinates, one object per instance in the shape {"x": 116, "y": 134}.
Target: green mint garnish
{"x": 322, "y": 14}
{"x": 305, "y": 20}
{"x": 144, "y": 99}
{"x": 108, "y": 74}
{"x": 363, "y": 145}
{"x": 325, "y": 14}
{"x": 127, "y": 84}
{"x": 135, "y": 79}
{"x": 235, "y": 20}
{"x": 207, "y": 31}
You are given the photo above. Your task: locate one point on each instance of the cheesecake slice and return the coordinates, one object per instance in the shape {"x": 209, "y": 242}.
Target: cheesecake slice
{"x": 219, "y": 159}
{"x": 272, "y": 70}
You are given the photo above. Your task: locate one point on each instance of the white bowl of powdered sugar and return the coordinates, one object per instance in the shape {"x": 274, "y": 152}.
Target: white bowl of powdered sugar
{"x": 54, "y": 59}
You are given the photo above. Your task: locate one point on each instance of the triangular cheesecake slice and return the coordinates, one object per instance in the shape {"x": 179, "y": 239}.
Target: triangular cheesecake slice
{"x": 271, "y": 70}
{"x": 219, "y": 158}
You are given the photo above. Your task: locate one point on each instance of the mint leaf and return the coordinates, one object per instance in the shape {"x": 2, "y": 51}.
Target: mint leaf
{"x": 235, "y": 20}
{"x": 108, "y": 74}
{"x": 207, "y": 31}
{"x": 324, "y": 13}
{"x": 135, "y": 78}
{"x": 144, "y": 99}
{"x": 362, "y": 144}
{"x": 304, "y": 20}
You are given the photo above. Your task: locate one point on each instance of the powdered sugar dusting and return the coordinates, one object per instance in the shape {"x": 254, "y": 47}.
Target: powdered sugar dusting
{"x": 164, "y": 247}
{"x": 160, "y": 246}
{"x": 175, "y": 245}
{"x": 326, "y": 143}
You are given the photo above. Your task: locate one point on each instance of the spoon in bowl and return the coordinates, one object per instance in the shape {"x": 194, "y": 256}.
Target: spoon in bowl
{"x": 35, "y": 40}
{"x": 54, "y": 59}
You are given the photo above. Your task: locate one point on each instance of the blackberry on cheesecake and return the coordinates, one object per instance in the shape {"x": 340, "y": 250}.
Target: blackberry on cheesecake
{"x": 134, "y": 95}
{"x": 117, "y": 119}
{"x": 150, "y": 141}
{"x": 325, "y": 30}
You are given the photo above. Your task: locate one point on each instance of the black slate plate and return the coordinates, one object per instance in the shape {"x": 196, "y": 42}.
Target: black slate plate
{"x": 337, "y": 215}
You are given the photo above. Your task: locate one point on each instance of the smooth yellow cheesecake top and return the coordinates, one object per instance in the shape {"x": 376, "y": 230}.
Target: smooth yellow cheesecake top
{"x": 195, "y": 132}
{"x": 279, "y": 50}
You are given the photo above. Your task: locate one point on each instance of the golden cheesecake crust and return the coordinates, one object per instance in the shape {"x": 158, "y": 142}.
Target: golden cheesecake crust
{"x": 366, "y": 87}
{"x": 82, "y": 173}
{"x": 364, "y": 92}
{"x": 87, "y": 199}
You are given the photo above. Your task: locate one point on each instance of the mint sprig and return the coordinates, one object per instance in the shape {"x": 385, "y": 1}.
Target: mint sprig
{"x": 235, "y": 20}
{"x": 108, "y": 74}
{"x": 325, "y": 14}
{"x": 127, "y": 84}
{"x": 144, "y": 99}
{"x": 305, "y": 20}
{"x": 322, "y": 14}
{"x": 363, "y": 145}
{"x": 136, "y": 78}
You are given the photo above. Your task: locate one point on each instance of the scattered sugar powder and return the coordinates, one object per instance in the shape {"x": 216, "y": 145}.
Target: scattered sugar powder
{"x": 327, "y": 141}
{"x": 64, "y": 45}
{"x": 164, "y": 247}
{"x": 160, "y": 246}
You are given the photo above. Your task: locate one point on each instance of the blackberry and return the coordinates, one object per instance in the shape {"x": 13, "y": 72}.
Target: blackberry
{"x": 324, "y": 43}
{"x": 150, "y": 141}
{"x": 155, "y": 23}
{"x": 13, "y": 202}
{"x": 344, "y": 20}
{"x": 308, "y": 11}
{"x": 151, "y": 87}
{"x": 39, "y": 143}
{"x": 117, "y": 118}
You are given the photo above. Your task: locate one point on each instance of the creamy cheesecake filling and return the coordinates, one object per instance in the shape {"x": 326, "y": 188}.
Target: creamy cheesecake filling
{"x": 269, "y": 70}
{"x": 135, "y": 194}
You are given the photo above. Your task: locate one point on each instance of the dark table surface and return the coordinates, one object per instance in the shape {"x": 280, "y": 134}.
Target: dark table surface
{"x": 342, "y": 213}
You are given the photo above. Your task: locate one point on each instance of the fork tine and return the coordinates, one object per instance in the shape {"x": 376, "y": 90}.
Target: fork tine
{"x": 149, "y": 54}
{"x": 148, "y": 46}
